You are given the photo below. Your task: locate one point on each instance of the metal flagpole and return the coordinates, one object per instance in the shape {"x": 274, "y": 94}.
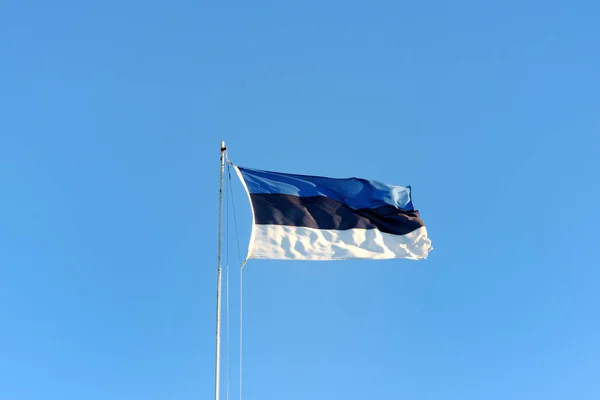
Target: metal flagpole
{"x": 218, "y": 344}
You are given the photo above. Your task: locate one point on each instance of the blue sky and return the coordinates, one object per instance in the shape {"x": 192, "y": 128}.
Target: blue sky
{"x": 111, "y": 119}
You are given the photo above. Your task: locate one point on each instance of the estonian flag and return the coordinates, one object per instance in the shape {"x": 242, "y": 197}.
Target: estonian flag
{"x": 300, "y": 217}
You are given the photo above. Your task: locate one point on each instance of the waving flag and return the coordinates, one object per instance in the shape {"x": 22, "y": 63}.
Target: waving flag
{"x": 300, "y": 217}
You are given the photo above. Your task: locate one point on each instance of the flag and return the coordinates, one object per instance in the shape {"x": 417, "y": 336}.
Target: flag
{"x": 301, "y": 217}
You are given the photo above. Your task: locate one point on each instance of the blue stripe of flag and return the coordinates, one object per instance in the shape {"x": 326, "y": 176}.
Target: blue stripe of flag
{"x": 356, "y": 193}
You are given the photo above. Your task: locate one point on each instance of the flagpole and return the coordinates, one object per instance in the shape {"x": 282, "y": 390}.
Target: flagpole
{"x": 218, "y": 341}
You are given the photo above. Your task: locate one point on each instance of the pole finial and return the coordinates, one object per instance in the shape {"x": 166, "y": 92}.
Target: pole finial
{"x": 223, "y": 148}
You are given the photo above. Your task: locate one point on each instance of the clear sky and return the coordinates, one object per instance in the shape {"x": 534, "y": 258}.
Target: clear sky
{"x": 111, "y": 116}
